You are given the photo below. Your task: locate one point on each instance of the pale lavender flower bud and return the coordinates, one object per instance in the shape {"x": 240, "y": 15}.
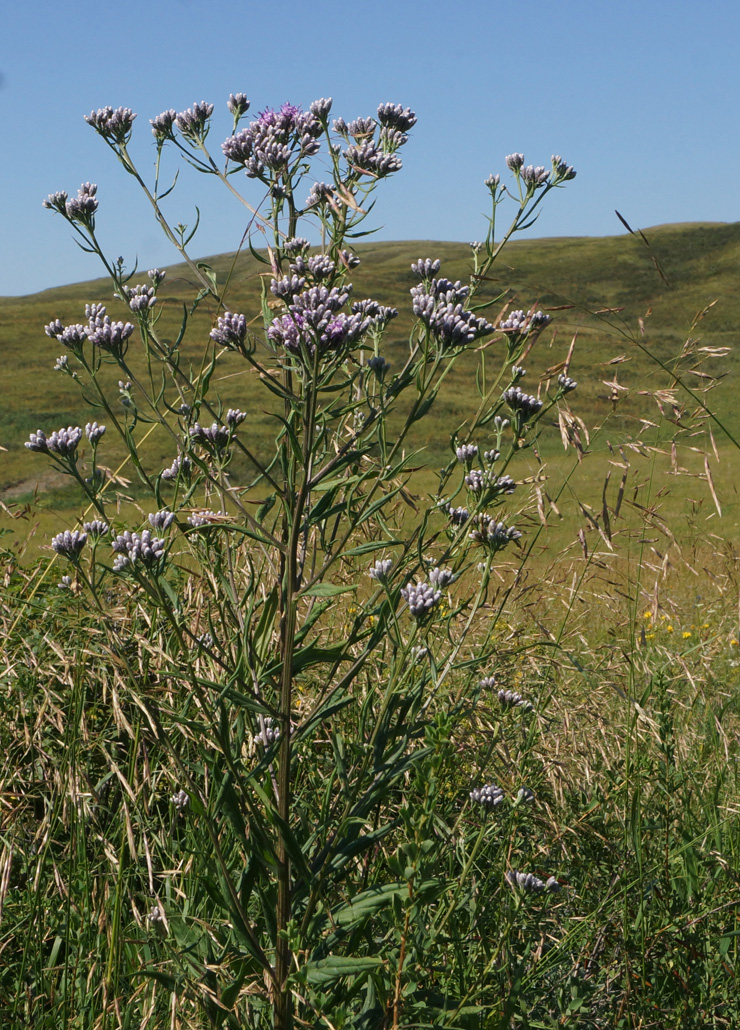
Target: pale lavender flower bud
{"x": 457, "y": 516}
{"x": 181, "y": 466}
{"x": 93, "y": 432}
{"x": 235, "y": 417}
{"x": 193, "y": 123}
{"x": 425, "y": 268}
{"x": 491, "y": 456}
{"x": 56, "y": 202}
{"x": 162, "y": 125}
{"x": 517, "y": 372}
{"x": 466, "y": 452}
{"x": 361, "y": 127}
{"x": 442, "y": 578}
{"x": 111, "y": 336}
{"x": 38, "y": 442}
{"x": 488, "y": 682}
{"x": 321, "y": 108}
{"x": 270, "y": 731}
{"x": 380, "y": 569}
{"x": 96, "y": 528}
{"x": 524, "y": 796}
{"x": 560, "y": 170}
{"x": 531, "y": 884}
{"x": 69, "y": 544}
{"x": 349, "y": 260}
{"x": 534, "y": 176}
{"x": 566, "y": 384}
{"x": 140, "y": 298}
{"x": 200, "y": 519}
{"x": 157, "y": 276}
{"x": 488, "y": 796}
{"x": 82, "y": 209}
{"x": 65, "y": 583}
{"x": 421, "y": 598}
{"x": 514, "y": 162}
{"x": 287, "y": 287}
{"x": 524, "y": 404}
{"x": 238, "y": 104}
{"x": 396, "y": 117}
{"x": 511, "y": 699}
{"x": 492, "y": 182}
{"x": 64, "y": 441}
{"x": 230, "y": 331}
{"x": 112, "y": 125}
{"x": 297, "y": 245}
{"x": 62, "y": 364}
{"x": 156, "y": 919}
{"x": 161, "y": 520}
{"x": 54, "y": 329}
{"x": 321, "y": 266}
{"x": 138, "y": 549}
{"x": 340, "y": 126}
{"x": 181, "y": 800}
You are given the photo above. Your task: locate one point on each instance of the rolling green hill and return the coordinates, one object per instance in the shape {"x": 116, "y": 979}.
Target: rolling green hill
{"x": 620, "y": 297}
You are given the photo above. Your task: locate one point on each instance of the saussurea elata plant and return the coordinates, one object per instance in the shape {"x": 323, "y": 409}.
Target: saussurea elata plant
{"x": 275, "y": 662}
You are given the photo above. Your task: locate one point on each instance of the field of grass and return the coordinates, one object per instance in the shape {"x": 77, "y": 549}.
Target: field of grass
{"x": 140, "y": 837}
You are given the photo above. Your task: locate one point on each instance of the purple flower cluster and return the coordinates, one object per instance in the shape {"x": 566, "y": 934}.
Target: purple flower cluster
{"x": 62, "y": 442}
{"x": 114, "y": 126}
{"x": 181, "y": 466}
{"x": 193, "y": 123}
{"x": 140, "y": 298}
{"x": 489, "y": 796}
{"x": 230, "y": 331}
{"x": 274, "y": 138}
{"x": 380, "y": 569}
{"x": 215, "y": 437}
{"x": 530, "y": 883}
{"x": 494, "y": 535}
{"x": 521, "y": 323}
{"x": 510, "y": 699}
{"x": 161, "y": 520}
{"x": 421, "y": 598}
{"x": 137, "y": 549}
{"x": 69, "y": 544}
{"x": 524, "y": 405}
{"x": 439, "y": 304}
{"x": 314, "y": 320}
{"x": 479, "y": 481}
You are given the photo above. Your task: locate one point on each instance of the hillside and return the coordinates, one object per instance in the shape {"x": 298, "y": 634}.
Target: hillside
{"x": 616, "y": 294}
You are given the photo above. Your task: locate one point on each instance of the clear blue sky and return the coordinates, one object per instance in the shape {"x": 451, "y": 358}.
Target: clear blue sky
{"x": 641, "y": 96}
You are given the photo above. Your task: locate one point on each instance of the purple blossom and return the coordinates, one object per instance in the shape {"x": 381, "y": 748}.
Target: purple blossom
{"x": 56, "y": 202}
{"x": 181, "y": 466}
{"x": 96, "y": 528}
{"x": 83, "y": 208}
{"x": 321, "y": 108}
{"x": 94, "y": 432}
{"x": 488, "y": 796}
{"x": 161, "y": 520}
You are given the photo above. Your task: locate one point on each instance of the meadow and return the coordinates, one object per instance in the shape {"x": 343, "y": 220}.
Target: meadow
{"x": 398, "y": 696}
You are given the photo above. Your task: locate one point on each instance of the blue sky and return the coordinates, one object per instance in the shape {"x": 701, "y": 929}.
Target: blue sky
{"x": 641, "y": 97}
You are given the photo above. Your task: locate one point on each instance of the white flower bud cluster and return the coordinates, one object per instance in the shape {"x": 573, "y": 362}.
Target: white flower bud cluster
{"x": 530, "y": 883}
{"x": 489, "y": 796}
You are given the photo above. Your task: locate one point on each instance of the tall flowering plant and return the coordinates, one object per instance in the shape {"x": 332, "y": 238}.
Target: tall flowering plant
{"x": 321, "y": 655}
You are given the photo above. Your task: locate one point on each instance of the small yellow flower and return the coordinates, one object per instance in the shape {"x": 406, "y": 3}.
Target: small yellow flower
{"x": 734, "y": 643}
{"x": 669, "y": 629}
{"x": 647, "y": 615}
{"x": 686, "y": 634}
{"x": 650, "y": 636}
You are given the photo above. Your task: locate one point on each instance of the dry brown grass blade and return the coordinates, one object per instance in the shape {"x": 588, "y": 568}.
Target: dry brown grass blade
{"x": 710, "y": 481}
